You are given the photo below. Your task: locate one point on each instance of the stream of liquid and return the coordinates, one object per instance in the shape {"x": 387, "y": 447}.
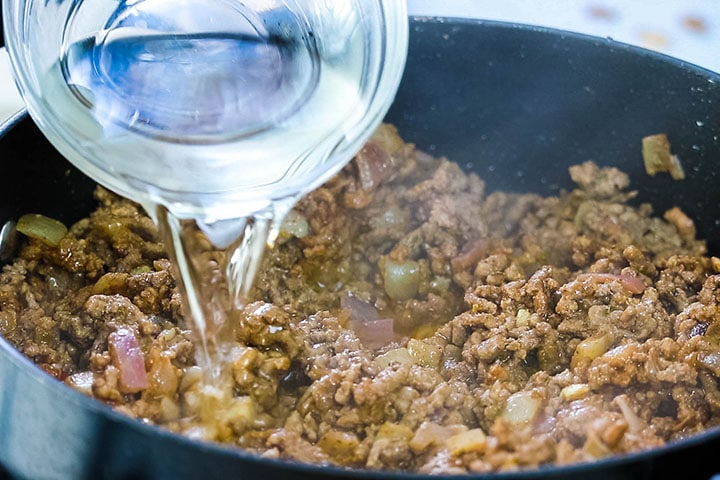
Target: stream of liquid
{"x": 216, "y": 132}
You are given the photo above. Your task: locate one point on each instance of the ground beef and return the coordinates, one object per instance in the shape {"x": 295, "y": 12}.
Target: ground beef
{"x": 528, "y": 330}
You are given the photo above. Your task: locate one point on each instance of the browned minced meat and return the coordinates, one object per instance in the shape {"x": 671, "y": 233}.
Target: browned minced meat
{"x": 529, "y": 330}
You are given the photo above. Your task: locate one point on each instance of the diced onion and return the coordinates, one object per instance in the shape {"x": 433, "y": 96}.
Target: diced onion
{"x": 589, "y": 349}
{"x": 427, "y": 434}
{"x": 595, "y": 447}
{"x": 341, "y": 446}
{"x": 521, "y": 408}
{"x": 359, "y": 310}
{"x": 657, "y": 157}
{"x": 471, "y": 441}
{"x": 169, "y": 409}
{"x": 394, "y": 431}
{"x": 522, "y": 319}
{"x": 163, "y": 378}
{"x": 374, "y": 333}
{"x": 397, "y": 355}
{"x": 374, "y": 165}
{"x": 715, "y": 262}
{"x": 139, "y": 270}
{"x": 632, "y": 284}
{"x": 635, "y": 423}
{"x": 295, "y": 225}
{"x": 402, "y": 279}
{"x": 710, "y": 361}
{"x": 40, "y": 227}
{"x": 440, "y": 284}
{"x": 81, "y": 381}
{"x": 575, "y": 391}
{"x": 191, "y": 376}
{"x": 129, "y": 359}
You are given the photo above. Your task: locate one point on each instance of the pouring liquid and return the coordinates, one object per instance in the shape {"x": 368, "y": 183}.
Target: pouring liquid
{"x": 211, "y": 131}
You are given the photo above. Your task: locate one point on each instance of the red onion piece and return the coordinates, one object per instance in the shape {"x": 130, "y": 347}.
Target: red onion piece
{"x": 632, "y": 284}
{"x": 374, "y": 333}
{"x": 374, "y": 165}
{"x": 129, "y": 359}
{"x": 359, "y": 310}
{"x": 365, "y": 321}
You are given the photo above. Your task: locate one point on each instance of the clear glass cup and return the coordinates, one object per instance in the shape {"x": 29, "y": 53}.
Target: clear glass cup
{"x": 212, "y": 108}
{"x": 213, "y": 114}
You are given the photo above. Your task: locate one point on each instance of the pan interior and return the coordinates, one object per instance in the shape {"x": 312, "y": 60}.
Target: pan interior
{"x": 518, "y": 106}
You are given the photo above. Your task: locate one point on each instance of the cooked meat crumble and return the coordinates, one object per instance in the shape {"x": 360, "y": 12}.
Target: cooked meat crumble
{"x": 406, "y": 320}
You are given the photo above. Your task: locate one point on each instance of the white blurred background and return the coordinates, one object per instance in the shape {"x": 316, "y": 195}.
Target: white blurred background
{"x": 686, "y": 29}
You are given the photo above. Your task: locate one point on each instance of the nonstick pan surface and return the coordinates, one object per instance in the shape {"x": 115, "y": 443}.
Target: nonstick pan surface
{"x": 516, "y": 104}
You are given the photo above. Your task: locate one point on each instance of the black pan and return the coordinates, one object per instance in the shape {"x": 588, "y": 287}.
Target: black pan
{"x": 516, "y": 104}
